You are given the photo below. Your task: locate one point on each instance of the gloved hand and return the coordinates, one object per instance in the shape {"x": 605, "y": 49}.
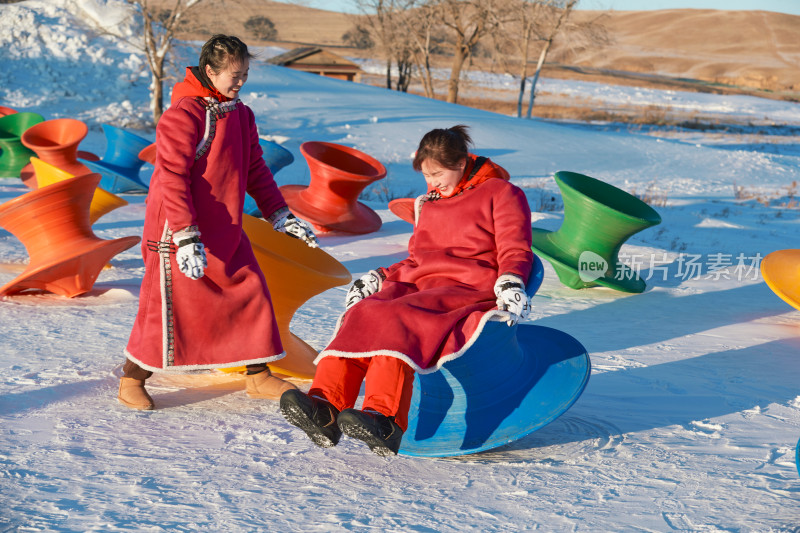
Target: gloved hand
{"x": 369, "y": 283}
{"x": 511, "y": 297}
{"x": 284, "y": 221}
{"x": 191, "y": 254}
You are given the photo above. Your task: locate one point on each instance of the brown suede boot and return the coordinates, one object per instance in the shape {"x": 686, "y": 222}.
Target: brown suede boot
{"x": 133, "y": 394}
{"x": 265, "y": 386}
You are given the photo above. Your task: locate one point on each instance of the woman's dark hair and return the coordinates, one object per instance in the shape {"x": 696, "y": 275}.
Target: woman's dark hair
{"x": 221, "y": 50}
{"x": 449, "y": 147}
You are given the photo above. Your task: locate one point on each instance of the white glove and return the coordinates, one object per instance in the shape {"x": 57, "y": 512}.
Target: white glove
{"x": 284, "y": 221}
{"x": 511, "y": 297}
{"x": 368, "y": 284}
{"x": 191, "y": 254}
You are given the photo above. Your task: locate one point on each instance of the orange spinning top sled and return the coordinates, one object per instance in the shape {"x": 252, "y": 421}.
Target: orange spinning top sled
{"x": 781, "y": 272}
{"x": 311, "y": 271}
{"x": 338, "y": 175}
{"x": 56, "y": 142}
{"x": 53, "y": 223}
{"x": 403, "y": 208}
{"x": 102, "y": 201}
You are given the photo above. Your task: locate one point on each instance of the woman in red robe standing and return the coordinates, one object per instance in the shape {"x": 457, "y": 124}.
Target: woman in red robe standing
{"x": 469, "y": 257}
{"x": 204, "y": 302}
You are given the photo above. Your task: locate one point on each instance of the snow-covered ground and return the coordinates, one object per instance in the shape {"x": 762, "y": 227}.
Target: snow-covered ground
{"x": 689, "y": 420}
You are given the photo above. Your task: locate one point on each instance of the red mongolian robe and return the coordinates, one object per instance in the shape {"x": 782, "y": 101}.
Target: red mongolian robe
{"x": 432, "y": 305}
{"x": 208, "y": 156}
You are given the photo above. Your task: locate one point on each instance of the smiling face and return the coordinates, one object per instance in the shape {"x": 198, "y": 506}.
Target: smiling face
{"x": 230, "y": 80}
{"x": 441, "y": 178}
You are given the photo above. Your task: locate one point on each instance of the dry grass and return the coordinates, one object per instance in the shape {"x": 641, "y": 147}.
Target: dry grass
{"x": 653, "y": 195}
{"x": 545, "y": 202}
{"x": 382, "y": 192}
{"x": 577, "y": 111}
{"x": 785, "y": 197}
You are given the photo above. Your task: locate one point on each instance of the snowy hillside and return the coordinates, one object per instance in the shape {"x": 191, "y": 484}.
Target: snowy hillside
{"x": 689, "y": 421}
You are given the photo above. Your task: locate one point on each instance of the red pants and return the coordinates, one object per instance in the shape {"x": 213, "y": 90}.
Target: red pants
{"x": 388, "y": 388}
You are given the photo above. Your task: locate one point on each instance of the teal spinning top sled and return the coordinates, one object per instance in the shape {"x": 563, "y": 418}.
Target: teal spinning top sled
{"x": 512, "y": 381}
{"x": 797, "y": 457}
{"x": 276, "y": 157}
{"x": 120, "y": 164}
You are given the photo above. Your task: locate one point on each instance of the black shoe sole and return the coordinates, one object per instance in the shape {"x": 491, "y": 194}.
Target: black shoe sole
{"x": 358, "y": 431}
{"x": 297, "y": 416}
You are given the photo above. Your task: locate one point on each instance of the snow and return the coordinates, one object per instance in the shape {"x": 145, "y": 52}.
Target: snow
{"x": 689, "y": 420}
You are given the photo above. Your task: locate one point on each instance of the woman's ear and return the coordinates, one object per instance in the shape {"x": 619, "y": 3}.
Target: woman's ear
{"x": 209, "y": 72}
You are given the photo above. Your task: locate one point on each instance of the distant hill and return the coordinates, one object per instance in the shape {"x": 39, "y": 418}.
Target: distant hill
{"x": 753, "y": 49}
{"x": 295, "y": 23}
{"x": 756, "y": 49}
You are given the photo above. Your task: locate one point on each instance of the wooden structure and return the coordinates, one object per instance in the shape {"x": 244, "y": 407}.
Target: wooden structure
{"x": 318, "y": 61}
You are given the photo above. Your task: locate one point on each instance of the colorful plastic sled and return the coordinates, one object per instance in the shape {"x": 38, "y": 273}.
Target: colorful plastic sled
{"x": 120, "y": 164}
{"x": 295, "y": 273}
{"x": 403, "y": 208}
{"x": 598, "y": 219}
{"x": 56, "y": 142}
{"x": 13, "y": 154}
{"x": 797, "y": 457}
{"x": 276, "y": 157}
{"x": 338, "y": 175}
{"x": 53, "y": 224}
{"x": 148, "y": 154}
{"x": 781, "y": 272}
{"x": 103, "y": 202}
{"x": 534, "y": 374}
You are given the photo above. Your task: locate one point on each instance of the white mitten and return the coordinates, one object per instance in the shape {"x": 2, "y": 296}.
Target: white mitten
{"x": 284, "y": 221}
{"x": 191, "y": 254}
{"x": 369, "y": 283}
{"x": 511, "y": 297}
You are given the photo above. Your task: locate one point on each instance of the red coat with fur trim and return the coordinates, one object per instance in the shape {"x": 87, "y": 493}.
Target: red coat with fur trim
{"x": 208, "y": 156}
{"x": 433, "y": 304}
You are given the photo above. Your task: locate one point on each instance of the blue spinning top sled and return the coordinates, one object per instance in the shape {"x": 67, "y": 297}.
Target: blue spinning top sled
{"x": 120, "y": 164}
{"x": 797, "y": 457}
{"x": 276, "y": 157}
{"x": 512, "y": 381}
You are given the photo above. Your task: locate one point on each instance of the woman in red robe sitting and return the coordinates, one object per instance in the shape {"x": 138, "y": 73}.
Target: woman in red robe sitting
{"x": 469, "y": 257}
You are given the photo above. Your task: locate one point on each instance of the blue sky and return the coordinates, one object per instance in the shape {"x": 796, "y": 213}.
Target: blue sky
{"x": 781, "y": 6}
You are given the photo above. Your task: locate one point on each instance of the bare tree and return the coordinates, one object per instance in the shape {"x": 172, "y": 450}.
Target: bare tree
{"x": 531, "y": 23}
{"x": 563, "y": 9}
{"x": 405, "y": 67}
{"x": 513, "y": 43}
{"x": 383, "y": 17}
{"x": 404, "y": 31}
{"x": 419, "y": 25}
{"x": 159, "y": 19}
{"x": 159, "y": 26}
{"x": 468, "y": 21}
